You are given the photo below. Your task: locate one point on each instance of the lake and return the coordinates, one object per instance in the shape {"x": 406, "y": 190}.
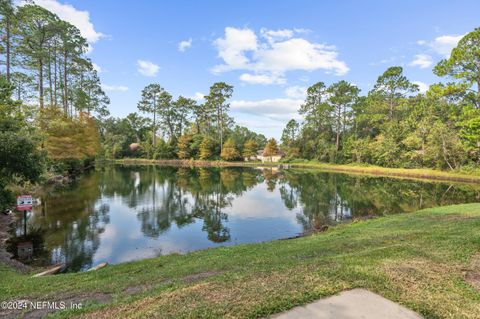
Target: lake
{"x": 119, "y": 213}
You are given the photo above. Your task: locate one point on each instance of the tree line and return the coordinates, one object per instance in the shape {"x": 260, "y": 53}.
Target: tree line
{"x": 394, "y": 125}
{"x": 181, "y": 128}
{"x": 44, "y": 60}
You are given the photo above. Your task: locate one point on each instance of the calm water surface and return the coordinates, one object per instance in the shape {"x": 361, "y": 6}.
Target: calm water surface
{"x": 118, "y": 214}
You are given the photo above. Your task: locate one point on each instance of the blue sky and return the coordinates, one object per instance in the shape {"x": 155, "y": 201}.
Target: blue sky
{"x": 270, "y": 51}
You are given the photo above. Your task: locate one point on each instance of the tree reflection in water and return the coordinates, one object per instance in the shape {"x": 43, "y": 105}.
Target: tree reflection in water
{"x": 69, "y": 222}
{"x": 327, "y": 198}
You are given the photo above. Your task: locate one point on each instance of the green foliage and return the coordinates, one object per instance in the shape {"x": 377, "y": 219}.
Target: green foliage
{"x": 184, "y": 107}
{"x": 176, "y": 120}
{"x": 150, "y": 104}
{"x": 464, "y": 65}
{"x": 341, "y": 97}
{"x": 290, "y": 141}
{"x": 241, "y": 134}
{"x": 290, "y": 133}
{"x": 11, "y": 117}
{"x": 250, "y": 149}
{"x": 20, "y": 159}
{"x": 164, "y": 150}
{"x": 216, "y": 104}
{"x": 45, "y": 63}
{"x": 393, "y": 125}
{"x": 118, "y": 135}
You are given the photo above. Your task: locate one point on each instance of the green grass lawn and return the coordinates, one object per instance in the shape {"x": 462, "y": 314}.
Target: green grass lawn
{"x": 420, "y": 260}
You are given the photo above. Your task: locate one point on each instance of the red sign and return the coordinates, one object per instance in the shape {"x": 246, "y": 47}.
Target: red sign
{"x": 24, "y": 202}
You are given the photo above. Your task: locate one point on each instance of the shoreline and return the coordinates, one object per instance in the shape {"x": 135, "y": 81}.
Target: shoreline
{"x": 6, "y": 222}
{"x": 405, "y": 173}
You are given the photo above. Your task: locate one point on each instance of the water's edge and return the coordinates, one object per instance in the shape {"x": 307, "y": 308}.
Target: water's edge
{"x": 400, "y": 173}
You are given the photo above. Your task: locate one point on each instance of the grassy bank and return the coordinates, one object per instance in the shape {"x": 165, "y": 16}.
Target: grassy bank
{"x": 421, "y": 260}
{"x": 424, "y": 173}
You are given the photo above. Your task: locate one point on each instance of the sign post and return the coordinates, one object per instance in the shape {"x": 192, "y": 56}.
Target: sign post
{"x": 24, "y": 203}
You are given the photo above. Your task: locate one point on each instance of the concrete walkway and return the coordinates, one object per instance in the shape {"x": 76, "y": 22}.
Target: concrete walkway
{"x": 351, "y": 304}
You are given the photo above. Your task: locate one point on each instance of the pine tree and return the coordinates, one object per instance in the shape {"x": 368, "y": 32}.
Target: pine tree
{"x": 149, "y": 104}
{"x": 216, "y": 103}
{"x": 229, "y": 150}
{"x": 35, "y": 29}
{"x": 7, "y": 23}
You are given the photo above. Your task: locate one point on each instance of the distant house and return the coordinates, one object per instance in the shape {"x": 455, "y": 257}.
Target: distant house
{"x": 134, "y": 147}
{"x": 251, "y": 158}
{"x": 266, "y": 159}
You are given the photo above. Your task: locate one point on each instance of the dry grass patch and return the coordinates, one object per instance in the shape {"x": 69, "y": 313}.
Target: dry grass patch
{"x": 240, "y": 297}
{"x": 432, "y": 288}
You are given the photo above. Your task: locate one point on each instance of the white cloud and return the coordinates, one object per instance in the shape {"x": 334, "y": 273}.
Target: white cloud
{"x": 184, "y": 45}
{"x": 423, "y": 61}
{"x": 262, "y": 78}
{"x": 97, "y": 68}
{"x": 118, "y": 88}
{"x": 276, "y": 35}
{"x": 280, "y": 109}
{"x": 147, "y": 68}
{"x": 274, "y": 109}
{"x": 198, "y": 96}
{"x": 443, "y": 44}
{"x": 79, "y": 18}
{"x": 296, "y": 92}
{"x": 302, "y": 30}
{"x": 300, "y": 54}
{"x": 422, "y": 87}
{"x": 233, "y": 46}
{"x": 270, "y": 59}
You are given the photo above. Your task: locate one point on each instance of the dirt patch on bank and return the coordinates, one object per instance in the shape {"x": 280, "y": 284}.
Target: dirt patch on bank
{"x": 5, "y": 257}
{"x": 472, "y": 275}
{"x": 201, "y": 276}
